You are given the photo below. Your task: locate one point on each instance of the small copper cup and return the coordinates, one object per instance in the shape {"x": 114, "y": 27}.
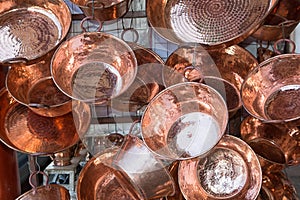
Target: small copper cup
{"x": 184, "y": 121}
{"x": 272, "y": 143}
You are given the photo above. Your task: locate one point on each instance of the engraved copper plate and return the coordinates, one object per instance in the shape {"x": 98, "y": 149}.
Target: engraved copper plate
{"x": 147, "y": 84}
{"x": 206, "y": 22}
{"x": 25, "y": 131}
{"x": 230, "y": 170}
{"x": 31, "y": 29}
{"x": 99, "y": 180}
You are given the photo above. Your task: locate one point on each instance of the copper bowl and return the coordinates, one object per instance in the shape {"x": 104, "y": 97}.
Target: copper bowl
{"x": 100, "y": 180}
{"x": 32, "y": 86}
{"x": 184, "y": 121}
{"x": 93, "y": 67}
{"x": 270, "y": 91}
{"x": 230, "y": 170}
{"x": 104, "y": 10}
{"x": 31, "y": 29}
{"x": 40, "y": 135}
{"x": 272, "y": 143}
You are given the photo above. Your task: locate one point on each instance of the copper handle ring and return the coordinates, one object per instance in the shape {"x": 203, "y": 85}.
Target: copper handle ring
{"x": 92, "y": 4}
{"x": 34, "y": 187}
{"x": 134, "y": 32}
{"x": 91, "y": 18}
{"x": 199, "y": 79}
{"x": 14, "y": 61}
{"x": 284, "y": 40}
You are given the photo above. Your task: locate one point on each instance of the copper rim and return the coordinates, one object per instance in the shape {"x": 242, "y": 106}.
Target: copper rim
{"x": 211, "y": 23}
{"x": 44, "y": 25}
{"x": 40, "y": 135}
{"x": 230, "y": 170}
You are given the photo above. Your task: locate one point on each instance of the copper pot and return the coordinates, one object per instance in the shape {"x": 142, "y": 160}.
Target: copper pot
{"x": 104, "y": 10}
{"x": 40, "y": 135}
{"x": 93, "y": 67}
{"x": 33, "y": 86}
{"x": 272, "y": 143}
{"x": 31, "y": 29}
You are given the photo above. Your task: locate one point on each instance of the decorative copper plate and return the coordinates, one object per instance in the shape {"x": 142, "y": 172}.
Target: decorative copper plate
{"x": 217, "y": 22}
{"x": 30, "y": 29}
{"x": 27, "y": 132}
{"x": 147, "y": 84}
{"x": 230, "y": 170}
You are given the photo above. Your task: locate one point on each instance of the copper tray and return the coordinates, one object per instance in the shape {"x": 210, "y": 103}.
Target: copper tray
{"x": 230, "y": 170}
{"x": 27, "y": 132}
{"x": 210, "y": 23}
{"x": 30, "y": 29}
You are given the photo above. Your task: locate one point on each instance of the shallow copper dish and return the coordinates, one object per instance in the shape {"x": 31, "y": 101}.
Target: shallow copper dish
{"x": 100, "y": 180}
{"x": 30, "y": 29}
{"x": 104, "y": 10}
{"x": 271, "y": 91}
{"x": 93, "y": 67}
{"x": 272, "y": 143}
{"x": 147, "y": 84}
{"x": 209, "y": 23}
{"x": 32, "y": 86}
{"x": 230, "y": 170}
{"x": 40, "y": 135}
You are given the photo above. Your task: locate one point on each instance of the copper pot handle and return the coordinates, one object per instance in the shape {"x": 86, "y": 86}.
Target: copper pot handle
{"x": 90, "y": 18}
{"x": 135, "y": 33}
{"x": 92, "y": 5}
{"x": 34, "y": 187}
{"x": 199, "y": 79}
{"x": 284, "y": 40}
{"x": 14, "y": 61}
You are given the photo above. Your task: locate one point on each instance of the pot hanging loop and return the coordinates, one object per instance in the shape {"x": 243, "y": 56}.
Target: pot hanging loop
{"x": 135, "y": 34}
{"x": 34, "y": 187}
{"x": 91, "y": 18}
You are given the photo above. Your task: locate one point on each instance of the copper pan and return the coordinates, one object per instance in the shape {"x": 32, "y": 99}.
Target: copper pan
{"x": 147, "y": 84}
{"x": 40, "y": 135}
{"x": 230, "y": 170}
{"x": 104, "y": 10}
{"x": 93, "y": 67}
{"x": 209, "y": 23}
{"x": 33, "y": 86}
{"x": 31, "y": 29}
{"x": 273, "y": 145}
{"x": 231, "y": 64}
{"x": 46, "y": 192}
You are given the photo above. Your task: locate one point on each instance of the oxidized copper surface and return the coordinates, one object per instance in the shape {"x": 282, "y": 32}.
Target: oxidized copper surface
{"x": 100, "y": 180}
{"x": 40, "y": 135}
{"x": 272, "y": 143}
{"x": 147, "y": 84}
{"x": 271, "y": 90}
{"x": 93, "y": 67}
{"x": 31, "y": 29}
{"x": 32, "y": 86}
{"x": 184, "y": 121}
{"x": 210, "y": 23}
{"x": 230, "y": 170}
{"x": 104, "y": 10}
{"x": 231, "y": 64}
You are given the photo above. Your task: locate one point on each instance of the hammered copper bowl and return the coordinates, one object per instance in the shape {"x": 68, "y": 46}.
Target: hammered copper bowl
{"x": 31, "y": 29}
{"x": 93, "y": 67}
{"x": 100, "y": 180}
{"x": 32, "y": 86}
{"x": 104, "y": 10}
{"x": 230, "y": 170}
{"x": 184, "y": 121}
{"x": 271, "y": 91}
{"x": 272, "y": 143}
{"x": 40, "y": 135}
